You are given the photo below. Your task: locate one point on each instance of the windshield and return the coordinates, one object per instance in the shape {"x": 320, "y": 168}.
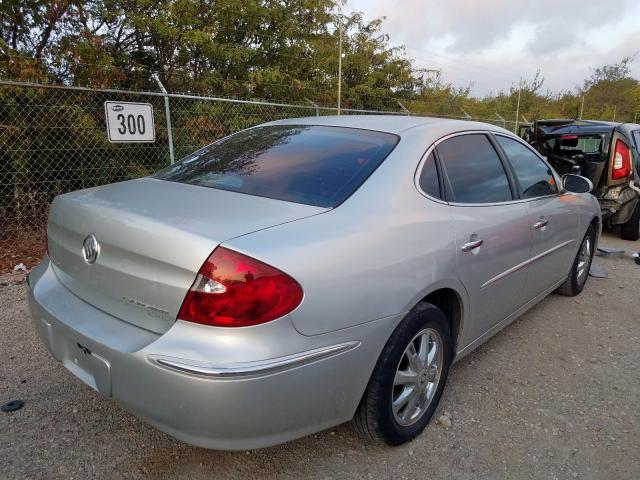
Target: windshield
{"x": 572, "y": 145}
{"x": 313, "y": 165}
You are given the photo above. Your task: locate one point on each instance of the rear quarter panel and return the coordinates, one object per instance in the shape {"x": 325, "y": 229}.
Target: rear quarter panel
{"x": 374, "y": 256}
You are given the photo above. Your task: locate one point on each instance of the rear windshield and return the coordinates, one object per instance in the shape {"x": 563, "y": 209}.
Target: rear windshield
{"x": 571, "y": 145}
{"x": 313, "y": 165}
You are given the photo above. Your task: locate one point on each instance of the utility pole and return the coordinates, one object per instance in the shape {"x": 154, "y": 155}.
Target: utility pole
{"x": 339, "y": 61}
{"x": 515, "y": 129}
{"x": 581, "y": 108}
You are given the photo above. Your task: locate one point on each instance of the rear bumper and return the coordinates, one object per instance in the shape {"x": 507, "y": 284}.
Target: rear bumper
{"x": 618, "y": 210}
{"x": 227, "y": 389}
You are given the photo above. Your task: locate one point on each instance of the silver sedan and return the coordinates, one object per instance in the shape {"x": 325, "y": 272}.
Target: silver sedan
{"x": 307, "y": 272}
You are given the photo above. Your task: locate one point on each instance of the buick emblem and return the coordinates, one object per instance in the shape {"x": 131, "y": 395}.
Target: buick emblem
{"x": 90, "y": 249}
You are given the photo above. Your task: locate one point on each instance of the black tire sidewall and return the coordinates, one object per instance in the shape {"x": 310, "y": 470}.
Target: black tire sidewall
{"x": 423, "y": 316}
{"x": 576, "y": 287}
{"x": 631, "y": 230}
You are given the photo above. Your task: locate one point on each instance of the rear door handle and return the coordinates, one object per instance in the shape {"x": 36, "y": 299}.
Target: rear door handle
{"x": 467, "y": 247}
{"x": 540, "y": 224}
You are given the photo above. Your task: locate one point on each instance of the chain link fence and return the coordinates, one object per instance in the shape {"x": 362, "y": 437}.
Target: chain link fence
{"x": 53, "y": 139}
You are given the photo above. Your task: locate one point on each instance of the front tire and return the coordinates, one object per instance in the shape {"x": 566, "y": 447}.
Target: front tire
{"x": 577, "y": 279}
{"x": 408, "y": 380}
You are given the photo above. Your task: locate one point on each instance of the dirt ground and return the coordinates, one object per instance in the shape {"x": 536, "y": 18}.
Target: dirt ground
{"x": 555, "y": 395}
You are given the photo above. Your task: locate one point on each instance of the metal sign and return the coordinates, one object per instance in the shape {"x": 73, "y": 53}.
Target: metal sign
{"x": 129, "y": 122}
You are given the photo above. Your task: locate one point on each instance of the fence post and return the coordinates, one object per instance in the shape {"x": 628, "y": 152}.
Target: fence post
{"x": 404, "y": 109}
{"x": 515, "y": 129}
{"x": 315, "y": 105}
{"x": 167, "y": 114}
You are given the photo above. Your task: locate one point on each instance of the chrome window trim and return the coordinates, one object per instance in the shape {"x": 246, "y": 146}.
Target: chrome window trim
{"x": 251, "y": 369}
{"x": 432, "y": 147}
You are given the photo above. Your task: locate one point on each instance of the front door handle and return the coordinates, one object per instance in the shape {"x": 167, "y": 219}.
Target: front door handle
{"x": 541, "y": 224}
{"x": 467, "y": 247}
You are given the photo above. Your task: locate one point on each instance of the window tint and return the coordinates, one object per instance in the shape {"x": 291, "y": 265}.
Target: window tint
{"x": 314, "y": 165}
{"x": 534, "y": 176}
{"x": 429, "y": 178}
{"x": 474, "y": 170}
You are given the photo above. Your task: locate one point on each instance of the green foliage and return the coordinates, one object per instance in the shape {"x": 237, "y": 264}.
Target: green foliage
{"x": 281, "y": 50}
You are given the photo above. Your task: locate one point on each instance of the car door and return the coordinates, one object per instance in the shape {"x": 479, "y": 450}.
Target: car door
{"x": 551, "y": 219}
{"x": 491, "y": 226}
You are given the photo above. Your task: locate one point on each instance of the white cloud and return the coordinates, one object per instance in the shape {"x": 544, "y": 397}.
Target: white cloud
{"x": 494, "y": 42}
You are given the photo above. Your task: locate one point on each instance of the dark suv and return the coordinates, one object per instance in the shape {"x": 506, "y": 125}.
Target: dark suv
{"x": 607, "y": 153}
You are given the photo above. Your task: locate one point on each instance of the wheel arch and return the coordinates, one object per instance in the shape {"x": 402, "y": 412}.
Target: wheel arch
{"x": 450, "y": 301}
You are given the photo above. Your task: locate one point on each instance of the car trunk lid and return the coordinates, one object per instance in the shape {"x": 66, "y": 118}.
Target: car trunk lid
{"x": 153, "y": 236}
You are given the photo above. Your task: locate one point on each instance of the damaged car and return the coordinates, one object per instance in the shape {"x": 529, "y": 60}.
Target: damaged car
{"x": 607, "y": 153}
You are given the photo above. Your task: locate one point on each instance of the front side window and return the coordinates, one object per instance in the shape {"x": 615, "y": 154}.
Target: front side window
{"x": 308, "y": 164}
{"x": 474, "y": 170}
{"x": 534, "y": 176}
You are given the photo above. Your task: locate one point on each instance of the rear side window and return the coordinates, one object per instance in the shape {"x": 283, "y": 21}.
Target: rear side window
{"x": 534, "y": 176}
{"x": 313, "y": 165}
{"x": 429, "y": 178}
{"x": 474, "y": 170}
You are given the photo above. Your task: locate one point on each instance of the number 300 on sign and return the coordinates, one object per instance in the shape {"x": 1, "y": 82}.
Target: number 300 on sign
{"x": 129, "y": 122}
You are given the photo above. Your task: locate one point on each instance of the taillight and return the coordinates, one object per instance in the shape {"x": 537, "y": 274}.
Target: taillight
{"x": 621, "y": 161}
{"x": 234, "y": 290}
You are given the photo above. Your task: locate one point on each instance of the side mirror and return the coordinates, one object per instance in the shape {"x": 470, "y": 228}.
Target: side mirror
{"x": 576, "y": 183}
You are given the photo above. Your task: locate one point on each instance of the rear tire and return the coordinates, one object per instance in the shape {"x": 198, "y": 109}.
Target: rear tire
{"x": 631, "y": 229}
{"x": 577, "y": 279}
{"x": 387, "y": 413}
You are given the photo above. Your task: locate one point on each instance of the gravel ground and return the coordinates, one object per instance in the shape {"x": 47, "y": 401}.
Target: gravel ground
{"x": 555, "y": 395}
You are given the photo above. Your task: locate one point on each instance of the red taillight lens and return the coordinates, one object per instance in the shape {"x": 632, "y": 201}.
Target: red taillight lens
{"x": 234, "y": 290}
{"x": 621, "y": 161}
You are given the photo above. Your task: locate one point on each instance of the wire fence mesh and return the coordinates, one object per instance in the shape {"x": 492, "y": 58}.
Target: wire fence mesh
{"x": 53, "y": 139}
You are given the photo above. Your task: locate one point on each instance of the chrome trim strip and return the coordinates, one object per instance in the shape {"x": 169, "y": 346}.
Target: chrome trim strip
{"x": 520, "y": 266}
{"x": 251, "y": 369}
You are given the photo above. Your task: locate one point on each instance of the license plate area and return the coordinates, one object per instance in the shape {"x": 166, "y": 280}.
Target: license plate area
{"x": 89, "y": 366}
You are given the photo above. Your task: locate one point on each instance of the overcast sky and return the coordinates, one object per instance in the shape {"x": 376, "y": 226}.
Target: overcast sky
{"x": 491, "y": 43}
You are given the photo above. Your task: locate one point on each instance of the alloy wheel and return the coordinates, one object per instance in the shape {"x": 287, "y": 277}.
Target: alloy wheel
{"x": 417, "y": 377}
{"x": 584, "y": 261}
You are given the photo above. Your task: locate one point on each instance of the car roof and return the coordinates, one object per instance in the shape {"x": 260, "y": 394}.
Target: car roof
{"x": 396, "y": 124}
